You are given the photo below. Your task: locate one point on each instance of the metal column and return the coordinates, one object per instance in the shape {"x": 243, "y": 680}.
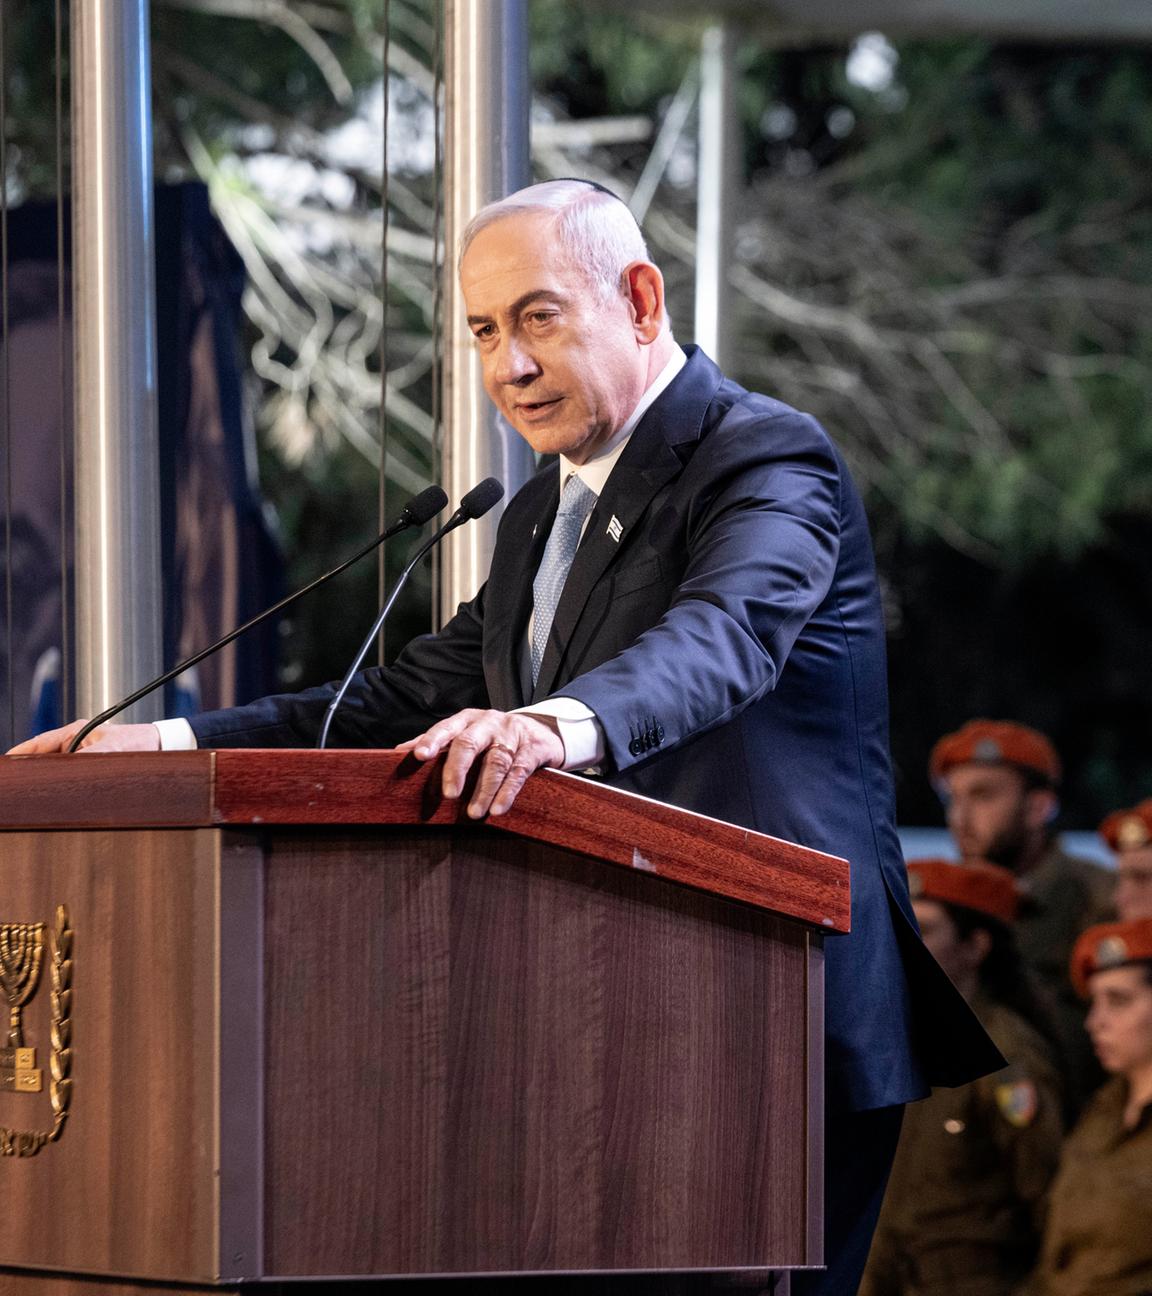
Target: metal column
{"x": 717, "y": 180}
{"x": 486, "y": 156}
{"x": 118, "y": 599}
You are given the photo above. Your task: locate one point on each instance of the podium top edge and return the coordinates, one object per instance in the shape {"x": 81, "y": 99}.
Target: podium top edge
{"x": 264, "y": 788}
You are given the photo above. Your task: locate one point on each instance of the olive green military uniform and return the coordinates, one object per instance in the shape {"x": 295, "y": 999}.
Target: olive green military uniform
{"x": 1064, "y": 895}
{"x": 1099, "y": 1236}
{"x": 965, "y": 1205}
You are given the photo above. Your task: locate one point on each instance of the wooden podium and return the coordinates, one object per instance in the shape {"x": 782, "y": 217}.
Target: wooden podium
{"x": 296, "y": 1017}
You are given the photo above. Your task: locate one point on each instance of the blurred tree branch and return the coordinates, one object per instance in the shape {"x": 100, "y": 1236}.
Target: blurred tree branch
{"x": 958, "y": 285}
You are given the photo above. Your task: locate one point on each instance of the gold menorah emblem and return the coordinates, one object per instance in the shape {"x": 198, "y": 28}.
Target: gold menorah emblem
{"x": 21, "y": 951}
{"x": 22, "y": 947}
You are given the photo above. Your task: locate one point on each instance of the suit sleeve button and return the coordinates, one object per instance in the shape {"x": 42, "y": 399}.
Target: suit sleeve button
{"x": 634, "y": 747}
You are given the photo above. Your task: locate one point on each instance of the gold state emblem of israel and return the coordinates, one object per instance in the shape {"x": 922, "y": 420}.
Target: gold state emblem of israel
{"x": 28, "y": 956}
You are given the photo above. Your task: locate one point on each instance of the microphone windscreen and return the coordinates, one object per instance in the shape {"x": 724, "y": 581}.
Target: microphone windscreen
{"x": 481, "y": 498}
{"x": 424, "y": 507}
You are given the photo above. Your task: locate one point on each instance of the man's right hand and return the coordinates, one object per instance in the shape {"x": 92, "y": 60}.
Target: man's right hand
{"x": 108, "y": 738}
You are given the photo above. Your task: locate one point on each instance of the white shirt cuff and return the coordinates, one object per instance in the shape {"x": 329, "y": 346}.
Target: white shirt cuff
{"x": 175, "y": 735}
{"x": 580, "y": 732}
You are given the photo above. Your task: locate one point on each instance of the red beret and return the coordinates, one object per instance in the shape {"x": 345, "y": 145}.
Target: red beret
{"x": 1110, "y": 945}
{"x": 1129, "y": 829}
{"x": 996, "y": 742}
{"x": 987, "y": 888}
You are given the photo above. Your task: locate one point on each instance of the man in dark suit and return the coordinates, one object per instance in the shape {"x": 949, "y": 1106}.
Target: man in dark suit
{"x": 686, "y": 604}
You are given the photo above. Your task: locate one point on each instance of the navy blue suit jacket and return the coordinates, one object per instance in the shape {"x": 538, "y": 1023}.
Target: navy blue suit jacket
{"x": 722, "y": 620}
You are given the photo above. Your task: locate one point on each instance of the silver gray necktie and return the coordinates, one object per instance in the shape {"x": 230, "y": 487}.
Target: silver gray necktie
{"x": 576, "y": 503}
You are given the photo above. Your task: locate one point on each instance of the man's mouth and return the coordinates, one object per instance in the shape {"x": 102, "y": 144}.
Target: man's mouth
{"x": 530, "y": 409}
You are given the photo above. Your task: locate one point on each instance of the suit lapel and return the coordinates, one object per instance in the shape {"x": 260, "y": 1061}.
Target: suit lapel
{"x": 647, "y": 464}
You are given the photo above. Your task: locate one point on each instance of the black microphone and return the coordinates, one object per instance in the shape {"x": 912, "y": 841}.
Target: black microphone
{"x": 420, "y": 509}
{"x": 475, "y": 504}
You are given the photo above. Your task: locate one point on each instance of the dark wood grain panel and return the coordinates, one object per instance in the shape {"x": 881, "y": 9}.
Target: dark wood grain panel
{"x": 378, "y": 787}
{"x": 814, "y": 1115}
{"x": 476, "y": 1054}
{"x": 516, "y": 1058}
{"x": 130, "y": 1186}
{"x": 106, "y": 790}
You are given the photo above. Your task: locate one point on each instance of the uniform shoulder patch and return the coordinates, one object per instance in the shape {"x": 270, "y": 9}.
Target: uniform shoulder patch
{"x": 1018, "y": 1102}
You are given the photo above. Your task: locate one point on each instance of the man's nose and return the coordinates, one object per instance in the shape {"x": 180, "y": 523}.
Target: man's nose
{"x": 515, "y": 363}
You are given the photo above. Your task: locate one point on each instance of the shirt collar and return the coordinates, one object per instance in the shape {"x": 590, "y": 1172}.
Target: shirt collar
{"x": 594, "y": 474}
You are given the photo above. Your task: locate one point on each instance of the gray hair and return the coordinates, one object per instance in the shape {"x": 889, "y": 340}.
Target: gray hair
{"x": 596, "y": 230}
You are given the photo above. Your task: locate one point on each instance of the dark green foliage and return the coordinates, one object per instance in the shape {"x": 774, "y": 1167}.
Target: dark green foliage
{"x": 598, "y": 63}
{"x": 968, "y": 267}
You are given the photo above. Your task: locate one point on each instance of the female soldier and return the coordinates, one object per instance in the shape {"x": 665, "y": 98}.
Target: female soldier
{"x": 1099, "y": 1236}
{"x": 965, "y": 1203}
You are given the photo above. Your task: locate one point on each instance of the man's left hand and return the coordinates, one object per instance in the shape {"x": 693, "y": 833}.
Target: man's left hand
{"x": 509, "y": 747}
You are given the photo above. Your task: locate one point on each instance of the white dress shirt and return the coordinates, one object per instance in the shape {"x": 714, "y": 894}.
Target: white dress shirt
{"x": 579, "y": 730}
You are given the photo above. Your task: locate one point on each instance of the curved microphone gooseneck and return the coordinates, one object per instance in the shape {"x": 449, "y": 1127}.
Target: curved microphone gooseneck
{"x": 420, "y": 509}
{"x": 475, "y": 504}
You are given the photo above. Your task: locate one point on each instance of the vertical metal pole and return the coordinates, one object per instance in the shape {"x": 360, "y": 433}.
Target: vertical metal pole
{"x": 118, "y": 598}
{"x": 486, "y": 157}
{"x": 718, "y": 179}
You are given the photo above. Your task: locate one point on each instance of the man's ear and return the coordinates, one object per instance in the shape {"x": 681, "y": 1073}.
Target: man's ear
{"x": 644, "y": 292}
{"x": 1040, "y": 808}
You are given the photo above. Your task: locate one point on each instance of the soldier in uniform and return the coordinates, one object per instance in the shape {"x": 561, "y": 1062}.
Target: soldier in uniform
{"x": 1098, "y": 1241}
{"x": 1129, "y": 834}
{"x": 998, "y": 782}
{"x": 964, "y": 1209}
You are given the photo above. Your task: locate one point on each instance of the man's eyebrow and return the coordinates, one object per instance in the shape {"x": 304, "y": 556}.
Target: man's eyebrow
{"x": 524, "y": 300}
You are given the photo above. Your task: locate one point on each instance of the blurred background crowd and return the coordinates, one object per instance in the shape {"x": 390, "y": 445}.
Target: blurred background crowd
{"x": 1037, "y": 1178}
